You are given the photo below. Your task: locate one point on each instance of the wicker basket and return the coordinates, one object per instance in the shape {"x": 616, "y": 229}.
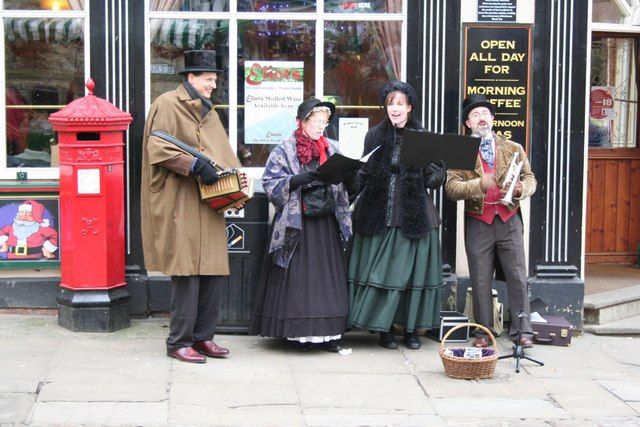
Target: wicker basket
{"x": 469, "y": 369}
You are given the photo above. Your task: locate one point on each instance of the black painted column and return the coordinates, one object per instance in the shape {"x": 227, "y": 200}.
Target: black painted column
{"x": 557, "y": 157}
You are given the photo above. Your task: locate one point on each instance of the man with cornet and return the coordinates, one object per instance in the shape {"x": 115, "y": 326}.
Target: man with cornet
{"x": 493, "y": 223}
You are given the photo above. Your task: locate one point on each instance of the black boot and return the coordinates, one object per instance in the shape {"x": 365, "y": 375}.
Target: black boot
{"x": 412, "y": 341}
{"x": 387, "y": 340}
{"x": 333, "y": 346}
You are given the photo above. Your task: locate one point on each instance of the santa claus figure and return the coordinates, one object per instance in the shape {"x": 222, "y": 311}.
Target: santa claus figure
{"x": 30, "y": 236}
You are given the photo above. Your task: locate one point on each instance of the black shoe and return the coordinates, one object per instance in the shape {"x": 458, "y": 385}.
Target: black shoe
{"x": 387, "y": 340}
{"x": 333, "y": 346}
{"x": 302, "y": 346}
{"x": 412, "y": 341}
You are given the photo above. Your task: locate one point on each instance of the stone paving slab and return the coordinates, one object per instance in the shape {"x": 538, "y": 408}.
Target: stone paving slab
{"x": 125, "y": 378}
{"x": 15, "y": 407}
{"x": 194, "y": 415}
{"x": 149, "y": 391}
{"x": 99, "y": 413}
{"x": 594, "y": 404}
{"x": 490, "y": 407}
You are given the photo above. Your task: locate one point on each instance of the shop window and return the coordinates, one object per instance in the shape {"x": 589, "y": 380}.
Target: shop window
{"x": 189, "y": 5}
{"x": 276, "y": 6}
{"x": 360, "y": 57}
{"x": 171, "y": 37}
{"x": 613, "y": 119}
{"x": 611, "y": 11}
{"x": 323, "y": 52}
{"x": 44, "y": 66}
{"x": 44, "y": 4}
{"x": 375, "y": 6}
{"x": 265, "y": 41}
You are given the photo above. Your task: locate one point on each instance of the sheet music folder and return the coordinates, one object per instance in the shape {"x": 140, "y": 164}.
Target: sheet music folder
{"x": 419, "y": 148}
{"x": 333, "y": 169}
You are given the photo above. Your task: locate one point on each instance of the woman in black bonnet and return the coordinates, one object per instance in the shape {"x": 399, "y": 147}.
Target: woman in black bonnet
{"x": 395, "y": 270}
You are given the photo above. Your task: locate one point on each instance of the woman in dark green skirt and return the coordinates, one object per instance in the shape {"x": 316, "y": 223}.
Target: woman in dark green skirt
{"x": 395, "y": 269}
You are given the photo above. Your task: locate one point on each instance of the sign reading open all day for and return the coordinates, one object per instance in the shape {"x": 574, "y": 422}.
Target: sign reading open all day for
{"x": 498, "y": 64}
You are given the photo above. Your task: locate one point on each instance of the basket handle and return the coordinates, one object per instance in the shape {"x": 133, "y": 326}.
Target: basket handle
{"x": 462, "y": 325}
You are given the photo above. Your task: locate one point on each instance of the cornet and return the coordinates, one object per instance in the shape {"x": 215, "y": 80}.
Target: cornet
{"x": 513, "y": 176}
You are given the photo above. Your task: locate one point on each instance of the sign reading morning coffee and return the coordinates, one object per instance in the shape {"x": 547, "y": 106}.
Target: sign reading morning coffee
{"x": 497, "y": 10}
{"x": 497, "y": 63}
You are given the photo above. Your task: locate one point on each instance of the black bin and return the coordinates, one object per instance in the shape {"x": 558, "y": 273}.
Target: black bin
{"x": 246, "y": 241}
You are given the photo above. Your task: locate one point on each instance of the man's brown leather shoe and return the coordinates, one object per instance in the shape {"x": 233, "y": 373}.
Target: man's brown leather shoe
{"x": 210, "y": 349}
{"x": 187, "y": 354}
{"x": 526, "y": 342}
{"x": 481, "y": 342}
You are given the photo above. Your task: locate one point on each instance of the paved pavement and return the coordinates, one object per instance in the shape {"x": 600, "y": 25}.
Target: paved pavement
{"x": 51, "y": 376}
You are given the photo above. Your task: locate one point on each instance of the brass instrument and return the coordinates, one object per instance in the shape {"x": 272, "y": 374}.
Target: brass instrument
{"x": 512, "y": 176}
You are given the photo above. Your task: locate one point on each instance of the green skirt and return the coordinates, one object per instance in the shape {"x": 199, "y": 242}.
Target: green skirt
{"x": 394, "y": 279}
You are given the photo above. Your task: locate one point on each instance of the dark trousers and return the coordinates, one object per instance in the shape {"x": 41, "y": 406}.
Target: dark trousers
{"x": 195, "y": 303}
{"x": 483, "y": 243}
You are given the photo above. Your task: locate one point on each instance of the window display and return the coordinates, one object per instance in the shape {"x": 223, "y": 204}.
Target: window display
{"x": 44, "y": 66}
{"x": 614, "y": 93}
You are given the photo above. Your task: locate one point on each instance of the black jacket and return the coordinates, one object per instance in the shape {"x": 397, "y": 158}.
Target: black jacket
{"x": 417, "y": 215}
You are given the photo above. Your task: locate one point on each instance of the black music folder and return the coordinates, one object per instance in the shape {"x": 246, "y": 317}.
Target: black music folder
{"x": 333, "y": 169}
{"x": 419, "y": 148}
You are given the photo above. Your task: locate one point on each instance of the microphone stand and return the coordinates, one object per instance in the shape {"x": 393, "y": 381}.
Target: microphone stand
{"x": 518, "y": 349}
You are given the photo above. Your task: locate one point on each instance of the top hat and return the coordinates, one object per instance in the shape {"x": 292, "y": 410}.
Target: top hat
{"x": 475, "y": 100}
{"x": 197, "y": 61}
{"x": 307, "y": 106}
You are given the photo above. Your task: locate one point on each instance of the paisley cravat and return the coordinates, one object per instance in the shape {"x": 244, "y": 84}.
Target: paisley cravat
{"x": 486, "y": 151}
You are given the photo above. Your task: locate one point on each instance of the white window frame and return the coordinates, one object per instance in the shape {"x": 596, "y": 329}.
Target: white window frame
{"x": 318, "y": 17}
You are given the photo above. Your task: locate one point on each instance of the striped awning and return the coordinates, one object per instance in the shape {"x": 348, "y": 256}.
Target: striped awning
{"x": 184, "y": 33}
{"x": 49, "y": 30}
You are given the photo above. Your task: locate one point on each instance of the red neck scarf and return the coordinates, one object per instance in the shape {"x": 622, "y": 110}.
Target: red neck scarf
{"x": 309, "y": 149}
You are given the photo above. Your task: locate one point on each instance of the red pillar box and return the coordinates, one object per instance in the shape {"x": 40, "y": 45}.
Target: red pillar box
{"x": 93, "y": 296}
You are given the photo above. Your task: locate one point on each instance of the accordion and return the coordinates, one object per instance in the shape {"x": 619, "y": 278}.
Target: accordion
{"x": 227, "y": 192}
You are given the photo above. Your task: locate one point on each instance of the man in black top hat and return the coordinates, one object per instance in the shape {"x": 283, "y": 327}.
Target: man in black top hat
{"x": 493, "y": 223}
{"x": 182, "y": 236}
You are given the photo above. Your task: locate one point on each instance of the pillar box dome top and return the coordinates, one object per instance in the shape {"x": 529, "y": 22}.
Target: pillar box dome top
{"x": 90, "y": 113}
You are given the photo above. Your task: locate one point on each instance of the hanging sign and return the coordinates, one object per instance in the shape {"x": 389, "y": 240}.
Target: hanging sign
{"x": 272, "y": 92}
{"x": 498, "y": 64}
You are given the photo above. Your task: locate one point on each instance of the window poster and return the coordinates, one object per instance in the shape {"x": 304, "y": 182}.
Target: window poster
{"x": 29, "y": 229}
{"x": 272, "y": 92}
{"x": 352, "y": 132}
{"x": 601, "y": 115}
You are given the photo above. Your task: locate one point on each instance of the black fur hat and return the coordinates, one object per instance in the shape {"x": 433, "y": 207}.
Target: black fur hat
{"x": 397, "y": 85}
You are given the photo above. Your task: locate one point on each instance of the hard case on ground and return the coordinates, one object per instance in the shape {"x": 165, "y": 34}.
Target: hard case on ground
{"x": 449, "y": 319}
{"x": 557, "y": 331}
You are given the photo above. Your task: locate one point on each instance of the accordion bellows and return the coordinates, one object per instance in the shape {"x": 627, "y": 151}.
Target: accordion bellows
{"x": 226, "y": 192}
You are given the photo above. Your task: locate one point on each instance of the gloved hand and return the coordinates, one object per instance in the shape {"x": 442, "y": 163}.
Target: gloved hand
{"x": 205, "y": 171}
{"x": 438, "y": 174}
{"x": 302, "y": 179}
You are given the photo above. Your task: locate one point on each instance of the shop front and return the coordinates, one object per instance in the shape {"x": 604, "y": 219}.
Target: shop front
{"x": 275, "y": 55}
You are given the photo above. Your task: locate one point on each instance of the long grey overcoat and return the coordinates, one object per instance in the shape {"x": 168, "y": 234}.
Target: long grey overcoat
{"x": 181, "y": 235}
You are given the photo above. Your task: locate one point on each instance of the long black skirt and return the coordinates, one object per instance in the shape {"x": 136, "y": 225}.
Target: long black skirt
{"x": 308, "y": 301}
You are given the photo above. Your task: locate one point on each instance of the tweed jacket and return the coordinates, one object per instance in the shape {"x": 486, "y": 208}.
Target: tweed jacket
{"x": 282, "y": 164}
{"x": 465, "y": 185}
